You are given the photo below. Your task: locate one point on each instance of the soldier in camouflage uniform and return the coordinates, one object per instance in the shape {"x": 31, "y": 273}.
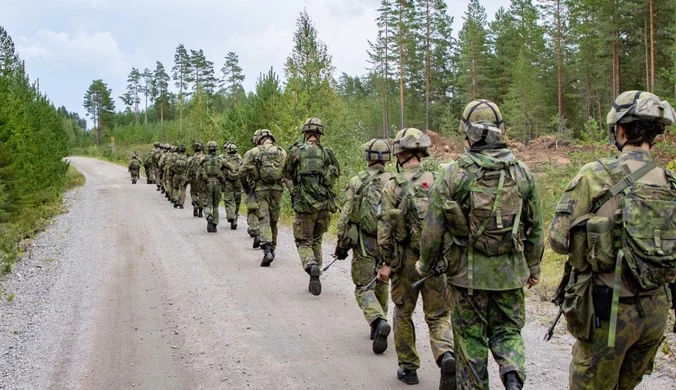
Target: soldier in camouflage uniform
{"x": 253, "y": 227}
{"x": 210, "y": 173}
{"x": 232, "y": 191}
{"x": 196, "y": 185}
{"x": 148, "y": 167}
{"x": 623, "y": 311}
{"x": 358, "y": 217}
{"x": 179, "y": 181}
{"x": 134, "y": 167}
{"x": 157, "y": 153}
{"x": 263, "y": 167}
{"x": 404, "y": 198}
{"x": 169, "y": 173}
{"x": 161, "y": 164}
{"x": 313, "y": 170}
{"x": 484, "y": 220}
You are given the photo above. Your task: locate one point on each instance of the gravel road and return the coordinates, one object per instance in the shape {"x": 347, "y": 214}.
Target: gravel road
{"x": 123, "y": 291}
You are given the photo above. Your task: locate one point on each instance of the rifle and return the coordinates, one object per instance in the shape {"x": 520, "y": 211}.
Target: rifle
{"x": 375, "y": 278}
{"x": 436, "y": 271}
{"x": 330, "y": 264}
{"x": 672, "y": 286}
{"x": 559, "y": 296}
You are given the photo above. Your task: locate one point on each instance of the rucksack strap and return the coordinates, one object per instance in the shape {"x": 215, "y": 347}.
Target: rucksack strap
{"x": 623, "y": 184}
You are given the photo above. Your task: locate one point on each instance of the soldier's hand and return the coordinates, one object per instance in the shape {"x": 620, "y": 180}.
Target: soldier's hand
{"x": 419, "y": 270}
{"x": 340, "y": 252}
{"x": 532, "y": 282}
{"x": 384, "y": 273}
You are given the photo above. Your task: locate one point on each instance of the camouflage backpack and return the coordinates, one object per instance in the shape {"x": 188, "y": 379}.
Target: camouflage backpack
{"x": 135, "y": 164}
{"x": 414, "y": 204}
{"x": 212, "y": 166}
{"x": 311, "y": 160}
{"x": 231, "y": 167}
{"x": 180, "y": 165}
{"x": 270, "y": 162}
{"x": 368, "y": 201}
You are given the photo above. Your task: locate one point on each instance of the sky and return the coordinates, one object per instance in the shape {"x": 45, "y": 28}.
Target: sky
{"x": 68, "y": 43}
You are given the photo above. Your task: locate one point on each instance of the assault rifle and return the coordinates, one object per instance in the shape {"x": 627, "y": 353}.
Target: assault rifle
{"x": 436, "y": 271}
{"x": 331, "y": 263}
{"x": 558, "y": 299}
{"x": 375, "y": 278}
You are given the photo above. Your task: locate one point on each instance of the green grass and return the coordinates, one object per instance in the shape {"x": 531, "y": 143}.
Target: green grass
{"x": 10, "y": 297}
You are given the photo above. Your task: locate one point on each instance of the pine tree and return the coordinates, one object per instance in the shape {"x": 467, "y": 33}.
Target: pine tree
{"x": 232, "y": 75}
{"x": 473, "y": 53}
{"x": 382, "y": 58}
{"x": 99, "y": 105}
{"x": 8, "y": 57}
{"x": 146, "y": 89}
{"x": 267, "y": 100}
{"x": 133, "y": 89}
{"x": 181, "y": 73}
{"x": 160, "y": 91}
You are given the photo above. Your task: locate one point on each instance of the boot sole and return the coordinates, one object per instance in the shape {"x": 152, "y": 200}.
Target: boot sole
{"x": 266, "y": 262}
{"x": 380, "y": 339}
{"x": 411, "y": 381}
{"x": 448, "y": 378}
{"x": 315, "y": 285}
{"x": 256, "y": 244}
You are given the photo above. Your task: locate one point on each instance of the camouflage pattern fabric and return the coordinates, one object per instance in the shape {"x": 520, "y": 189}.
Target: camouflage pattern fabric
{"x": 134, "y": 174}
{"x": 402, "y": 259}
{"x": 492, "y": 273}
{"x": 178, "y": 185}
{"x": 308, "y": 230}
{"x": 373, "y": 302}
{"x": 212, "y": 200}
{"x": 232, "y": 198}
{"x": 253, "y": 225}
{"x": 269, "y": 207}
{"x": 596, "y": 366}
{"x": 196, "y": 184}
{"x": 487, "y": 320}
{"x": 312, "y": 192}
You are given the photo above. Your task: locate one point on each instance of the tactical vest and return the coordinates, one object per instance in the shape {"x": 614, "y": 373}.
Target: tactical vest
{"x": 367, "y": 207}
{"x": 212, "y": 166}
{"x": 311, "y": 160}
{"x": 180, "y": 165}
{"x": 270, "y": 163}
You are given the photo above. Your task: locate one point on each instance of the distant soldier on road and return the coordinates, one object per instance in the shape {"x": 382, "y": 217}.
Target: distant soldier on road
{"x": 196, "y": 184}
{"x": 210, "y": 173}
{"x": 232, "y": 191}
{"x": 253, "y": 226}
{"x": 179, "y": 182}
{"x": 134, "y": 168}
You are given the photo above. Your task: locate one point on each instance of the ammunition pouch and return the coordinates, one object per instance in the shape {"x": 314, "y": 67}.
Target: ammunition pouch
{"x": 602, "y": 297}
{"x": 578, "y": 305}
{"x": 601, "y": 251}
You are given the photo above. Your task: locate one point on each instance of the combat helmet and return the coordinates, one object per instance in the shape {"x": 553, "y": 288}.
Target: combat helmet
{"x": 412, "y": 140}
{"x": 230, "y": 147}
{"x": 212, "y": 146}
{"x": 254, "y": 137}
{"x": 181, "y": 149}
{"x": 156, "y": 145}
{"x": 198, "y": 147}
{"x": 631, "y": 106}
{"x": 377, "y": 150}
{"x": 313, "y": 125}
{"x": 263, "y": 133}
{"x": 482, "y": 122}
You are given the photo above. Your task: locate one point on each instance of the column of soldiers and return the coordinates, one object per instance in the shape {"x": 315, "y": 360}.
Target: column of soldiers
{"x": 468, "y": 239}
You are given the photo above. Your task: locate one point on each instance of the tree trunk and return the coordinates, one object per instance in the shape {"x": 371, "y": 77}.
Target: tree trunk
{"x": 647, "y": 54}
{"x": 145, "y": 120}
{"x": 427, "y": 65}
{"x": 559, "y": 60}
{"x": 616, "y": 64}
{"x": 180, "y": 104}
{"x": 652, "y": 46}
{"x": 401, "y": 64}
{"x": 386, "y": 113}
{"x": 162, "y": 118}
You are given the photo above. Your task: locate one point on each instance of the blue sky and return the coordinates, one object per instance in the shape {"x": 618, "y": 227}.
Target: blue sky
{"x": 69, "y": 43}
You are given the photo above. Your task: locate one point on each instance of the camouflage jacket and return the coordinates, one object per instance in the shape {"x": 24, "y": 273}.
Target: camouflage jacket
{"x": 350, "y": 199}
{"x": 202, "y": 173}
{"x": 393, "y": 193}
{"x": 496, "y": 273}
{"x": 311, "y": 193}
{"x": 193, "y": 166}
{"x": 250, "y": 169}
{"x": 230, "y": 165}
{"x": 155, "y": 157}
{"x": 591, "y": 182}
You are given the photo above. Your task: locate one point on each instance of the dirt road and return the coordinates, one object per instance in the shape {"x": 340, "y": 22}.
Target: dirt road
{"x": 125, "y": 291}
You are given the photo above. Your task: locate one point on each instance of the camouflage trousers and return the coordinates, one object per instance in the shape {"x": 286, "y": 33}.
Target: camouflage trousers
{"x": 435, "y": 306}
{"x": 487, "y": 320}
{"x": 197, "y": 193}
{"x": 134, "y": 174}
{"x": 373, "y": 302}
{"x": 168, "y": 187}
{"x": 178, "y": 184}
{"x": 269, "y": 205}
{"x": 149, "y": 174}
{"x": 253, "y": 226}
{"x": 232, "y": 198}
{"x": 157, "y": 173}
{"x": 597, "y": 366}
{"x": 212, "y": 200}
{"x": 308, "y": 230}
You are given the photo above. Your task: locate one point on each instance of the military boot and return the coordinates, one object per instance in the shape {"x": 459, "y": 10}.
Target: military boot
{"x": 157, "y": 189}
{"x": 210, "y": 225}
{"x": 180, "y": 206}
{"x": 410, "y": 377}
{"x": 213, "y": 228}
{"x": 512, "y": 381}
{"x": 382, "y": 330}
{"x": 257, "y": 241}
{"x": 267, "y": 256}
{"x": 161, "y": 190}
{"x": 315, "y": 286}
{"x": 200, "y": 215}
{"x": 233, "y": 224}
{"x": 175, "y": 205}
{"x": 447, "y": 365}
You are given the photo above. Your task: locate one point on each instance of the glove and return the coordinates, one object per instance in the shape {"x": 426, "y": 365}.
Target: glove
{"x": 340, "y": 253}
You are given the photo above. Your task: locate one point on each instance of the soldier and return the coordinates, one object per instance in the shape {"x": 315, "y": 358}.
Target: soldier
{"x": 313, "y": 170}
{"x": 263, "y": 167}
{"x": 179, "y": 182}
{"x": 169, "y": 174}
{"x": 196, "y": 184}
{"x": 232, "y": 191}
{"x": 210, "y": 173}
{"x": 163, "y": 172}
{"x": 403, "y": 204}
{"x": 614, "y": 221}
{"x": 148, "y": 167}
{"x": 357, "y": 230}
{"x": 484, "y": 220}
{"x": 134, "y": 167}
{"x": 157, "y": 153}
{"x": 253, "y": 227}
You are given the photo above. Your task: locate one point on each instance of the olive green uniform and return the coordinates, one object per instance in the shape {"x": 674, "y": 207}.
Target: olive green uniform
{"x": 232, "y": 190}
{"x": 213, "y": 187}
{"x": 253, "y": 227}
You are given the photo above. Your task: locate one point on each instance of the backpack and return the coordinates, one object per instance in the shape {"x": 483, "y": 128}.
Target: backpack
{"x": 270, "y": 162}
{"x": 231, "y": 167}
{"x": 311, "y": 160}
{"x": 367, "y": 207}
{"x": 212, "y": 166}
{"x": 180, "y": 165}
{"x": 414, "y": 204}
{"x": 135, "y": 164}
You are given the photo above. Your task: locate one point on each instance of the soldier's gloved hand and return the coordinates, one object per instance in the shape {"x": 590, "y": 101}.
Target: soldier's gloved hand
{"x": 384, "y": 273}
{"x": 340, "y": 252}
{"x": 419, "y": 270}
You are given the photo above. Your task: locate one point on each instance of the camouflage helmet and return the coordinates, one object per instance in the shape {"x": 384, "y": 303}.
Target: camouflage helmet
{"x": 198, "y": 147}
{"x": 254, "y": 137}
{"x": 212, "y": 146}
{"x": 631, "y": 106}
{"x": 181, "y": 149}
{"x": 482, "y": 121}
{"x": 230, "y": 147}
{"x": 412, "y": 140}
{"x": 377, "y": 149}
{"x": 313, "y": 125}
{"x": 156, "y": 144}
{"x": 263, "y": 133}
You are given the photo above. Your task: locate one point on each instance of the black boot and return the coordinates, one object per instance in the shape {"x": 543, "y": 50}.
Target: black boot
{"x": 210, "y": 226}
{"x": 194, "y": 212}
{"x": 175, "y": 205}
{"x": 382, "y": 330}
{"x": 257, "y": 241}
{"x": 233, "y": 224}
{"x": 447, "y": 365}
{"x": 512, "y": 381}
{"x": 315, "y": 286}
{"x": 180, "y": 206}
{"x": 157, "y": 189}
{"x": 410, "y": 377}
{"x": 200, "y": 215}
{"x": 267, "y": 256}
{"x": 214, "y": 230}
{"x": 373, "y": 329}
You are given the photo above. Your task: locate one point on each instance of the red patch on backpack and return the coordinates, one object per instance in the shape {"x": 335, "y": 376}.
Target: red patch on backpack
{"x": 425, "y": 185}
